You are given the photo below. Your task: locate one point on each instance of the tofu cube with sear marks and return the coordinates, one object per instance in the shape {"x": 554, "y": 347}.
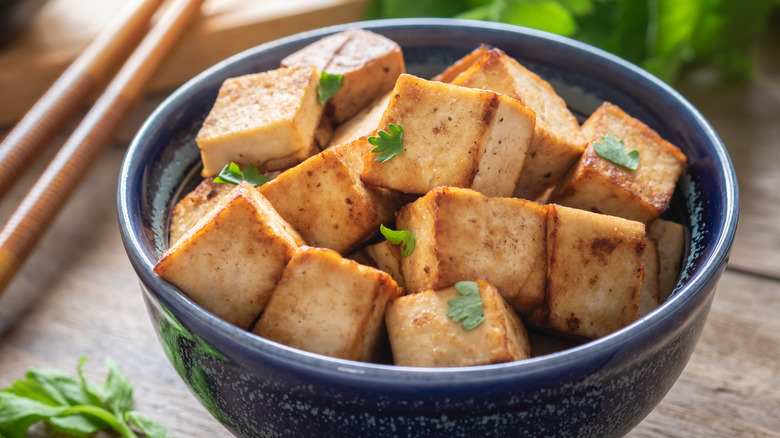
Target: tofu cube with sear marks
{"x": 670, "y": 240}
{"x": 328, "y": 305}
{"x": 266, "y": 120}
{"x": 230, "y": 261}
{"x": 557, "y": 142}
{"x": 651, "y": 292}
{"x": 369, "y": 63}
{"x": 324, "y": 199}
{"x": 422, "y": 335}
{"x": 452, "y": 136}
{"x": 460, "y": 65}
{"x": 362, "y": 124}
{"x": 387, "y": 257}
{"x": 462, "y": 234}
{"x": 594, "y": 273}
{"x": 599, "y": 185}
{"x": 194, "y": 206}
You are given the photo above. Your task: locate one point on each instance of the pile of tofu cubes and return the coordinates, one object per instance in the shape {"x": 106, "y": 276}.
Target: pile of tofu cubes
{"x": 498, "y": 182}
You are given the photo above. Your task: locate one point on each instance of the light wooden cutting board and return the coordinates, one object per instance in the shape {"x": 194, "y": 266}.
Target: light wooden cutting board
{"x": 63, "y": 28}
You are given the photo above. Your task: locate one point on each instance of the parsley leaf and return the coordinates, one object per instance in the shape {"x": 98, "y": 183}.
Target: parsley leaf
{"x": 389, "y": 144}
{"x": 232, "y": 174}
{"x": 328, "y": 87}
{"x": 71, "y": 405}
{"x": 612, "y": 149}
{"x": 403, "y": 237}
{"x": 467, "y": 307}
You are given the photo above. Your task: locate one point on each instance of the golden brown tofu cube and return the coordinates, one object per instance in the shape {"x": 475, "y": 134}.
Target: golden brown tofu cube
{"x": 594, "y": 273}
{"x": 599, "y": 185}
{"x": 460, "y": 65}
{"x": 670, "y": 239}
{"x": 194, "y": 206}
{"x": 231, "y": 260}
{"x": 325, "y": 200}
{"x": 557, "y": 141}
{"x": 651, "y": 294}
{"x": 266, "y": 120}
{"x": 369, "y": 63}
{"x": 387, "y": 257}
{"x": 452, "y": 136}
{"x": 422, "y": 335}
{"x": 462, "y": 234}
{"x": 328, "y": 305}
{"x": 362, "y": 124}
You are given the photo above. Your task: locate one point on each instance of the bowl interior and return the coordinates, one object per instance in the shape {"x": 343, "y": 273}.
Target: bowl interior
{"x": 163, "y": 161}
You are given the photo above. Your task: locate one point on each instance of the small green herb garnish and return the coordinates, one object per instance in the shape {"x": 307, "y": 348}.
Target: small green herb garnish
{"x": 403, "y": 237}
{"x": 389, "y": 144}
{"x": 329, "y": 85}
{"x": 73, "y": 406}
{"x": 467, "y": 307}
{"x": 612, "y": 149}
{"x": 232, "y": 174}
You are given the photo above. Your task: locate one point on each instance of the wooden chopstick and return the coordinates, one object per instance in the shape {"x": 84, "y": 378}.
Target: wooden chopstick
{"x": 71, "y": 89}
{"x": 41, "y": 204}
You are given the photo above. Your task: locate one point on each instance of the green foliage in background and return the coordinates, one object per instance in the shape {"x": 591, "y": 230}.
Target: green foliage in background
{"x": 662, "y": 36}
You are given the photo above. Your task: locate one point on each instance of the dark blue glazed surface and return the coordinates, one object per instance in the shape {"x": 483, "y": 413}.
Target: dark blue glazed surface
{"x": 603, "y": 388}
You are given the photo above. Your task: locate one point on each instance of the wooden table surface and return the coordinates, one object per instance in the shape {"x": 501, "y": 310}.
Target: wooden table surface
{"x": 78, "y": 296}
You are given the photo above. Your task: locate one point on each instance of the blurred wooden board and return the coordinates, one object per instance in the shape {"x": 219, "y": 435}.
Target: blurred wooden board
{"x": 64, "y": 27}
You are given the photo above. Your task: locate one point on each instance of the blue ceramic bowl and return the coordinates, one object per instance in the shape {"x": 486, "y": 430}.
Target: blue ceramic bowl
{"x": 258, "y": 388}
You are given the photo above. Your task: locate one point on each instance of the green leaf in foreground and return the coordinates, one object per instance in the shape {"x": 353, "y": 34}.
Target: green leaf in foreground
{"x": 70, "y": 405}
{"x": 328, "y": 87}
{"x": 233, "y": 174}
{"x": 389, "y": 144}
{"x": 402, "y": 237}
{"x": 612, "y": 149}
{"x": 467, "y": 307}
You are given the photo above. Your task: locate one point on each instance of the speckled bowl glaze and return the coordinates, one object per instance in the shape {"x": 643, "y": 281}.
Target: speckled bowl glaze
{"x": 258, "y": 388}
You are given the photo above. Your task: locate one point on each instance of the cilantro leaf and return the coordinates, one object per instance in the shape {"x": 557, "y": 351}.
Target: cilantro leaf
{"x": 612, "y": 149}
{"x": 389, "y": 144}
{"x": 467, "y": 307}
{"x": 118, "y": 391}
{"x": 403, "y": 237}
{"x": 150, "y": 428}
{"x": 70, "y": 405}
{"x": 328, "y": 87}
{"x": 233, "y": 174}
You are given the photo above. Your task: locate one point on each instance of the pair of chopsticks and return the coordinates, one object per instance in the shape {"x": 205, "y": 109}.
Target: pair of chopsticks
{"x": 38, "y": 209}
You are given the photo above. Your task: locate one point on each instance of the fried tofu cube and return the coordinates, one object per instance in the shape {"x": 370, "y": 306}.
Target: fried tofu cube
{"x": 460, "y": 65}
{"x": 651, "y": 292}
{"x": 557, "y": 142}
{"x": 369, "y": 63}
{"x": 362, "y": 124}
{"x": 231, "y": 260}
{"x": 266, "y": 120}
{"x": 599, "y": 185}
{"x": 462, "y": 234}
{"x": 594, "y": 273}
{"x": 452, "y": 136}
{"x": 194, "y": 206}
{"x": 325, "y": 200}
{"x": 387, "y": 257}
{"x": 328, "y": 305}
{"x": 670, "y": 239}
{"x": 422, "y": 335}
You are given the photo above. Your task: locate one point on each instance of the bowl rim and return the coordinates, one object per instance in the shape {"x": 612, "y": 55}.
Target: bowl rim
{"x": 231, "y": 338}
